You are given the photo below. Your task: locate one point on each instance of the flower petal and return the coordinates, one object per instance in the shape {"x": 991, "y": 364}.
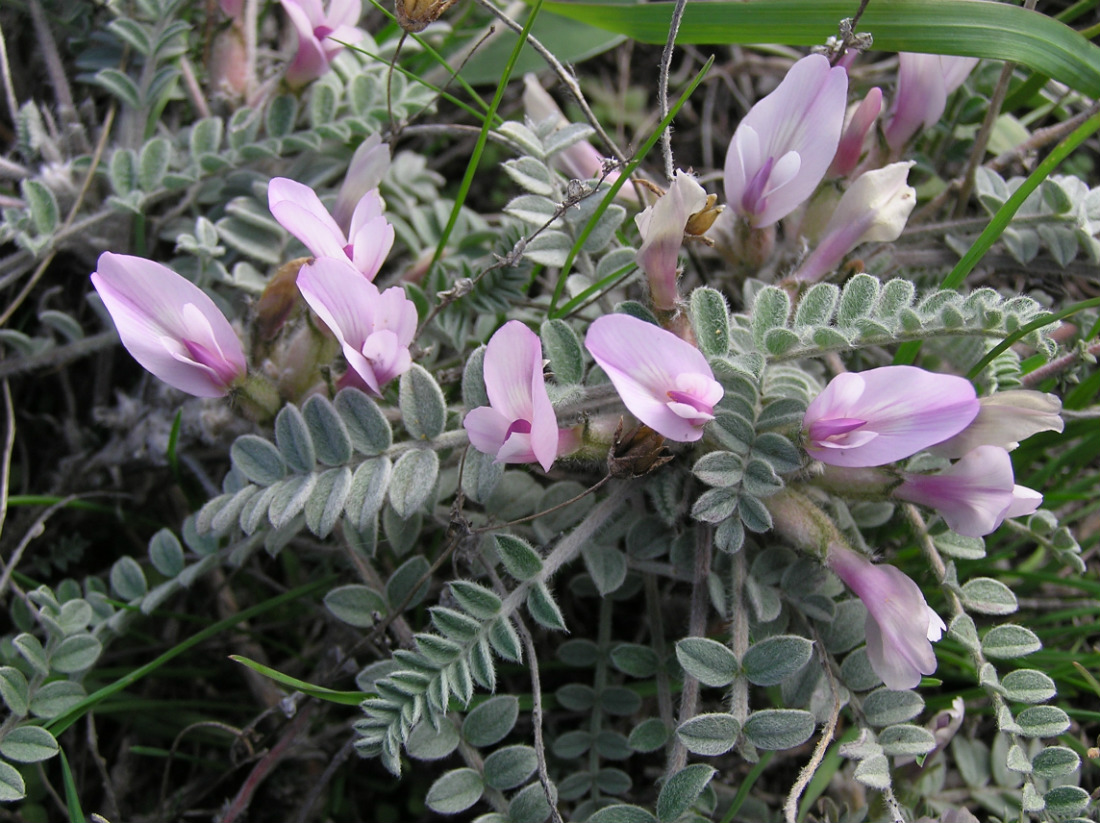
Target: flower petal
{"x": 299, "y": 210}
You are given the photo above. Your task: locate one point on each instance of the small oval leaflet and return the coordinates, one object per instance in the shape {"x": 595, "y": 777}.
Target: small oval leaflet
{"x": 681, "y": 790}
{"x": 708, "y": 661}
{"x": 490, "y": 722}
{"x": 771, "y": 661}
{"x": 885, "y": 707}
{"x": 709, "y": 734}
{"x": 776, "y": 729}
{"x": 455, "y": 791}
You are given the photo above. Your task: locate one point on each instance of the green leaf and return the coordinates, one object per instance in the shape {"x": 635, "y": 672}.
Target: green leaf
{"x": 369, "y": 485}
{"x": 30, "y": 649}
{"x": 355, "y": 605}
{"x": 413, "y": 481}
{"x": 1054, "y": 762}
{"x": 320, "y": 692}
{"x": 885, "y": 707}
{"x": 28, "y": 744}
{"x": 1042, "y": 721}
{"x": 709, "y": 734}
{"x": 1008, "y": 641}
{"x": 905, "y": 739}
{"x": 1063, "y": 801}
{"x": 330, "y": 436}
{"x": 476, "y": 600}
{"x": 120, "y": 85}
{"x": 43, "y": 207}
{"x": 292, "y": 438}
{"x": 529, "y": 805}
{"x": 14, "y": 690}
{"x": 1028, "y": 686}
{"x": 281, "y": 113}
{"x": 817, "y": 305}
{"x": 776, "y": 729}
{"x": 518, "y": 558}
{"x": 991, "y": 30}
{"x": 56, "y": 698}
{"x": 257, "y": 459}
{"x": 633, "y": 659}
{"x": 857, "y": 299}
{"x": 455, "y": 791}
{"x": 12, "y": 786}
{"x": 429, "y": 743}
{"x": 874, "y": 771}
{"x": 166, "y": 553}
{"x": 563, "y": 349}
{"x": 127, "y": 579}
{"x": 423, "y": 410}
{"x": 722, "y": 469}
{"x": 490, "y": 722}
{"x": 771, "y": 661}
{"x": 648, "y": 736}
{"x": 541, "y": 605}
{"x": 510, "y": 767}
{"x": 710, "y": 317}
{"x": 770, "y": 311}
{"x": 153, "y": 163}
{"x": 681, "y": 790}
{"x": 708, "y": 661}
{"x": 76, "y": 654}
{"x": 367, "y": 426}
{"x": 409, "y": 582}
{"x": 326, "y": 501}
{"x": 988, "y": 596}
{"x": 715, "y": 505}
{"x": 622, "y": 813}
{"x": 606, "y": 565}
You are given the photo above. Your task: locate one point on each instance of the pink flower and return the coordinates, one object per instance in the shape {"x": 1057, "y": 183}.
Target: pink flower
{"x": 365, "y": 240}
{"x": 169, "y": 325}
{"x": 580, "y": 161}
{"x": 784, "y": 145}
{"x": 878, "y": 416}
{"x": 858, "y": 126}
{"x": 374, "y": 328}
{"x": 900, "y": 625}
{"x": 662, "y": 228}
{"x": 974, "y": 495}
{"x": 875, "y": 208}
{"x": 318, "y": 32}
{"x": 1004, "y": 420}
{"x": 518, "y": 425}
{"x": 924, "y": 83}
{"x": 665, "y": 382}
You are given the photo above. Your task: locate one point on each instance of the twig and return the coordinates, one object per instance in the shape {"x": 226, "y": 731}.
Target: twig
{"x": 981, "y": 140}
{"x": 536, "y": 716}
{"x": 739, "y": 636}
{"x": 54, "y": 67}
{"x": 5, "y": 75}
{"x": 57, "y": 356}
{"x": 662, "y": 85}
{"x": 697, "y": 627}
{"x": 264, "y": 767}
{"x": 5, "y": 466}
{"x": 790, "y": 807}
{"x": 112, "y": 808}
{"x": 320, "y": 783}
{"x": 657, "y": 636}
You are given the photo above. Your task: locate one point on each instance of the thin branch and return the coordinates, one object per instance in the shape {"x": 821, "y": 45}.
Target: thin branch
{"x": 662, "y": 85}
{"x": 5, "y": 465}
{"x": 5, "y": 75}
{"x": 981, "y": 140}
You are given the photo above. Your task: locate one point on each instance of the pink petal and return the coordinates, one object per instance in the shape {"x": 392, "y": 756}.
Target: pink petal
{"x": 371, "y": 243}
{"x": 158, "y": 313}
{"x": 512, "y": 359}
{"x": 365, "y": 172}
{"x": 909, "y": 409}
{"x": 300, "y": 212}
{"x": 646, "y": 363}
{"x": 487, "y": 428}
{"x": 344, "y": 300}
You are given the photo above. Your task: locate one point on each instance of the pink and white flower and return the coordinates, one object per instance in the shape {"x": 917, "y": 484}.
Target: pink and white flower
{"x": 365, "y": 240}
{"x": 900, "y": 624}
{"x": 1004, "y": 419}
{"x": 785, "y": 144}
{"x": 170, "y": 326}
{"x": 318, "y": 31}
{"x": 664, "y": 381}
{"x": 924, "y": 83}
{"x": 519, "y": 424}
{"x": 881, "y": 415}
{"x": 365, "y": 172}
{"x": 662, "y": 228}
{"x": 875, "y": 208}
{"x": 374, "y": 328}
{"x": 975, "y": 494}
